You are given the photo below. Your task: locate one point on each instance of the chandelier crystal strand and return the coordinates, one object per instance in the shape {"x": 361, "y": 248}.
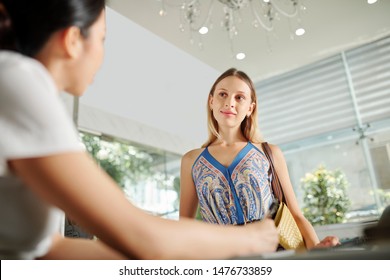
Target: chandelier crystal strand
{"x": 264, "y": 13}
{"x": 294, "y": 4}
{"x": 190, "y": 16}
{"x": 191, "y": 13}
{"x": 267, "y": 14}
{"x": 163, "y": 11}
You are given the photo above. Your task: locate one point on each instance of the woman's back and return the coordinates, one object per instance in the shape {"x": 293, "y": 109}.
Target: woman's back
{"x": 26, "y": 221}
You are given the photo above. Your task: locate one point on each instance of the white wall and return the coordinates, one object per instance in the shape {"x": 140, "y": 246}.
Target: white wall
{"x": 140, "y": 79}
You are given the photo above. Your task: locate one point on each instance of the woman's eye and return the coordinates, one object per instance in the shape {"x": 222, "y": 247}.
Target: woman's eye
{"x": 222, "y": 94}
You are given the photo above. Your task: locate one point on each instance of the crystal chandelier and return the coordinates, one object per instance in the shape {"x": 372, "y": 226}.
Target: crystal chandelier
{"x": 265, "y": 13}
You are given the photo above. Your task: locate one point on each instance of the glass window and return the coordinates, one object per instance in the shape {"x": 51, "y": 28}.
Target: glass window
{"x": 346, "y": 156}
{"x": 335, "y": 113}
{"x": 148, "y": 177}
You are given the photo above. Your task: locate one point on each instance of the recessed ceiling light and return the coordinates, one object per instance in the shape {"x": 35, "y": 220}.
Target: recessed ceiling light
{"x": 371, "y": 1}
{"x": 203, "y": 30}
{"x": 240, "y": 56}
{"x": 300, "y": 31}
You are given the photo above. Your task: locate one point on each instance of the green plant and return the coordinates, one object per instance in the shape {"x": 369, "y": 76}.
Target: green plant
{"x": 325, "y": 198}
{"x": 123, "y": 162}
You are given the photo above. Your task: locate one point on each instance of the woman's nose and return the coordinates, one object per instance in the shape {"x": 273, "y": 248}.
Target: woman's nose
{"x": 229, "y": 103}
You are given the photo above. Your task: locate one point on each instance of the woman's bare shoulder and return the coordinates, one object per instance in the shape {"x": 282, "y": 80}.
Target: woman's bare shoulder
{"x": 192, "y": 155}
{"x": 274, "y": 148}
{"x": 277, "y": 153}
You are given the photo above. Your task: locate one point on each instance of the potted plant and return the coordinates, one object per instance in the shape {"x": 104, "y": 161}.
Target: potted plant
{"x": 325, "y": 198}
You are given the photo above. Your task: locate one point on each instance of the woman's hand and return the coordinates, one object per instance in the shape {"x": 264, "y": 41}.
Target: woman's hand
{"x": 265, "y": 236}
{"x": 329, "y": 241}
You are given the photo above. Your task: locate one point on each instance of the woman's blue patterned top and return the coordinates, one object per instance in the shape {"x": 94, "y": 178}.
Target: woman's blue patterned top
{"x": 236, "y": 194}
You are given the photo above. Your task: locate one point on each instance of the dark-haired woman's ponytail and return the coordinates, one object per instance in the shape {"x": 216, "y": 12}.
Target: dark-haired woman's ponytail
{"x": 7, "y": 40}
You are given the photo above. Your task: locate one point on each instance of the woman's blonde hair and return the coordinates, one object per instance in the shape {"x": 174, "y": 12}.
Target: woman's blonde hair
{"x": 249, "y": 126}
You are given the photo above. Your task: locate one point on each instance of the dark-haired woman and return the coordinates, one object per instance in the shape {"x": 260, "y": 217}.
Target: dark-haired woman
{"x": 48, "y": 47}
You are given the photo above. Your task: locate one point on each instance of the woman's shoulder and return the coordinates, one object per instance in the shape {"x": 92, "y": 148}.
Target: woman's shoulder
{"x": 192, "y": 155}
{"x": 273, "y": 147}
{"x": 14, "y": 59}
{"x": 23, "y": 70}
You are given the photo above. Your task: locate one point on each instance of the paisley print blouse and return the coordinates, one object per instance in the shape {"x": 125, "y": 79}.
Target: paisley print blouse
{"x": 236, "y": 194}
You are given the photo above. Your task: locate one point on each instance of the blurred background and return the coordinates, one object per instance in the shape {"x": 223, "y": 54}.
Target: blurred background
{"x": 324, "y": 96}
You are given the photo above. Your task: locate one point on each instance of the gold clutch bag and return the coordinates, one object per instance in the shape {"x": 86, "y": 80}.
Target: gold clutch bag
{"x": 289, "y": 235}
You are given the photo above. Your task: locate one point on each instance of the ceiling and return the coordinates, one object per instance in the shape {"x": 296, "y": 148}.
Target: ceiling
{"x": 331, "y": 26}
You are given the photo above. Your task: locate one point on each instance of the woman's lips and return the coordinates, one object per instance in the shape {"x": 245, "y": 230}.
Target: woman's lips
{"x": 228, "y": 113}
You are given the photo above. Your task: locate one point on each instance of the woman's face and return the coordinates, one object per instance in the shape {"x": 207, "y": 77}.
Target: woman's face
{"x": 90, "y": 58}
{"x": 231, "y": 102}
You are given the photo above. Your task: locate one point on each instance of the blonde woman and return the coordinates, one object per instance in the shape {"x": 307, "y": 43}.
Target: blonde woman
{"x": 228, "y": 176}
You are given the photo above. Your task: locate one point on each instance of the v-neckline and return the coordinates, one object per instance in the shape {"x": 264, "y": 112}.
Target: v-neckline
{"x": 234, "y": 162}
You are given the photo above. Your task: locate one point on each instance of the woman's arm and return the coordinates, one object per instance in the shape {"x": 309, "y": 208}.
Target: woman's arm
{"x": 65, "y": 248}
{"x": 74, "y": 183}
{"x": 188, "y": 196}
{"x": 308, "y": 233}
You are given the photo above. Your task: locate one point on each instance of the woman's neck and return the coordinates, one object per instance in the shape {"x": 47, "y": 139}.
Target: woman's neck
{"x": 230, "y": 137}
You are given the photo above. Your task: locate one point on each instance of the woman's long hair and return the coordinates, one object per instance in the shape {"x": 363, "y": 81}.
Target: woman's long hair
{"x": 249, "y": 126}
{"x": 26, "y": 25}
